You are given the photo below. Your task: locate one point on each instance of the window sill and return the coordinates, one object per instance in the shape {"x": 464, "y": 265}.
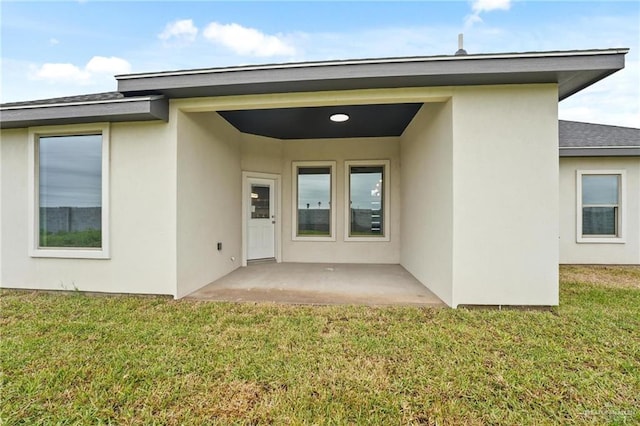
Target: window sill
{"x": 600, "y": 240}
{"x": 366, "y": 239}
{"x": 310, "y": 238}
{"x": 70, "y": 253}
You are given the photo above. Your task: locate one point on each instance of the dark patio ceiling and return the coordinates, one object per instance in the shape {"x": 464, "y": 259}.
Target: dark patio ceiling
{"x": 314, "y": 123}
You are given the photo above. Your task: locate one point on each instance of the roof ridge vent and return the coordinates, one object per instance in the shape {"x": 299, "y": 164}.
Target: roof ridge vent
{"x": 461, "y": 50}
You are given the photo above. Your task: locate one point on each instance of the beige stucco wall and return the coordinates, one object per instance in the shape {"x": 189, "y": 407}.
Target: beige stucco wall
{"x": 479, "y": 190}
{"x": 426, "y": 181}
{"x": 142, "y": 207}
{"x": 1, "y": 191}
{"x": 208, "y": 200}
{"x": 260, "y": 154}
{"x": 599, "y": 253}
{"x": 505, "y": 195}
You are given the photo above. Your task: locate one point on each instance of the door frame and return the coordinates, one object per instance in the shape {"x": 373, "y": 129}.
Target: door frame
{"x": 246, "y": 190}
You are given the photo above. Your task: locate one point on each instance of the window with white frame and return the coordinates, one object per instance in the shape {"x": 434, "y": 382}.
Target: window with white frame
{"x": 367, "y": 198}
{"x": 70, "y": 193}
{"x": 600, "y": 205}
{"x": 314, "y": 200}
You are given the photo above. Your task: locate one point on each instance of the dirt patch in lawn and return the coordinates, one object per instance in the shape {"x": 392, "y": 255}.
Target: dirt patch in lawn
{"x": 618, "y": 276}
{"x": 234, "y": 400}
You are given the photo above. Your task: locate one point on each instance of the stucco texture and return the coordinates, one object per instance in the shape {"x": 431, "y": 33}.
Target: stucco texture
{"x": 142, "y": 202}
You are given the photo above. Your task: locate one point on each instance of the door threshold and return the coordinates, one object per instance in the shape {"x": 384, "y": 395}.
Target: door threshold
{"x": 258, "y": 261}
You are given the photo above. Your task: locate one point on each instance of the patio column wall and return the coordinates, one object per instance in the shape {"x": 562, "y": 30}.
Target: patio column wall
{"x": 427, "y": 199}
{"x": 208, "y": 200}
{"x": 480, "y": 196}
{"x": 505, "y": 195}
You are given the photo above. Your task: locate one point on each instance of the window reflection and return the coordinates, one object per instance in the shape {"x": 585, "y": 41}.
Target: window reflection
{"x": 314, "y": 201}
{"x": 70, "y": 191}
{"x": 260, "y": 202}
{"x": 600, "y": 206}
{"x": 366, "y": 200}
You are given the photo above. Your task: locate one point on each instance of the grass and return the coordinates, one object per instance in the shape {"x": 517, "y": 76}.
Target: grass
{"x": 77, "y": 359}
{"x": 86, "y": 238}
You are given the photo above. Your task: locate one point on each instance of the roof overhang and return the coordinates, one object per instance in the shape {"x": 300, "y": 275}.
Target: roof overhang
{"x": 613, "y": 151}
{"x": 571, "y": 70}
{"x": 142, "y": 108}
{"x": 144, "y": 97}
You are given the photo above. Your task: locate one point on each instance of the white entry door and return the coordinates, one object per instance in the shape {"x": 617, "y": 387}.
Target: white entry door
{"x": 261, "y": 219}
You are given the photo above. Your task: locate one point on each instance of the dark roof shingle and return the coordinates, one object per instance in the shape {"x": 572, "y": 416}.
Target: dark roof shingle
{"x": 106, "y": 96}
{"x": 574, "y": 134}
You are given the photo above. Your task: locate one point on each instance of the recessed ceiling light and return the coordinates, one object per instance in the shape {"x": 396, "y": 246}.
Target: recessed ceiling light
{"x": 339, "y": 118}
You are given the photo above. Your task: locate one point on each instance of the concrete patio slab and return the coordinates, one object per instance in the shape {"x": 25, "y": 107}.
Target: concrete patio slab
{"x": 319, "y": 283}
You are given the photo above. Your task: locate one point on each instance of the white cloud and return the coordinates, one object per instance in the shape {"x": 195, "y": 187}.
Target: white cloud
{"x": 60, "y": 72}
{"x": 97, "y": 67}
{"x": 469, "y": 20}
{"x": 181, "y": 30}
{"x": 53, "y": 41}
{"x": 110, "y": 66}
{"x": 479, "y": 6}
{"x": 247, "y": 41}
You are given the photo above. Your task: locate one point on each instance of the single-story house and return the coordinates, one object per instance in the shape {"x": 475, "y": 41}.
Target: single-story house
{"x": 599, "y": 194}
{"x": 446, "y": 165}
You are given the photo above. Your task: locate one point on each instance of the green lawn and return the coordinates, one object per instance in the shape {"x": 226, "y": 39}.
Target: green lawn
{"x": 76, "y": 359}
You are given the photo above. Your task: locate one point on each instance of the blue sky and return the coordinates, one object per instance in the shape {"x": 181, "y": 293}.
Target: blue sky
{"x": 51, "y": 49}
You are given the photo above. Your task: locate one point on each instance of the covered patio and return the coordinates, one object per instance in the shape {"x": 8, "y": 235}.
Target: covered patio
{"x": 319, "y": 283}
